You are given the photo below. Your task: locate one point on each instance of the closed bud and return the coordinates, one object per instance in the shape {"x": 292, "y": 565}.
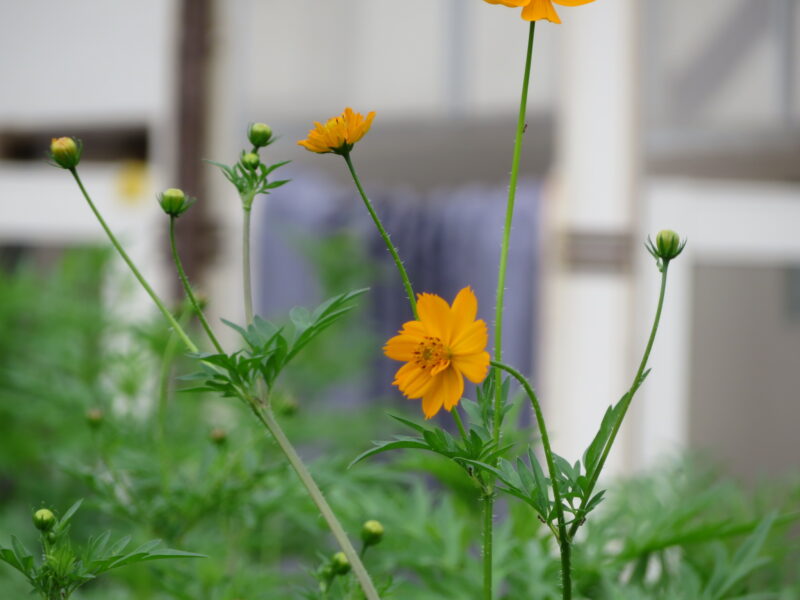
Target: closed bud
{"x": 65, "y": 152}
{"x": 339, "y": 564}
{"x": 371, "y": 533}
{"x": 668, "y": 245}
{"x": 259, "y": 134}
{"x": 250, "y": 161}
{"x": 94, "y": 417}
{"x": 174, "y": 202}
{"x": 218, "y": 436}
{"x": 44, "y": 520}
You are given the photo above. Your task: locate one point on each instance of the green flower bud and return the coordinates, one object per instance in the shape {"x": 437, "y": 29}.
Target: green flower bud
{"x": 250, "y": 161}
{"x": 94, "y": 417}
{"x": 218, "y": 436}
{"x": 66, "y": 152}
{"x": 340, "y": 564}
{"x": 372, "y": 533}
{"x": 44, "y": 520}
{"x": 668, "y": 246}
{"x": 174, "y": 202}
{"x": 259, "y": 134}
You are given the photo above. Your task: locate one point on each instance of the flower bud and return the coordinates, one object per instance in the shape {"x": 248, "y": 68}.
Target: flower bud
{"x": 259, "y": 134}
{"x": 340, "y": 564}
{"x": 668, "y": 245}
{"x": 250, "y": 161}
{"x": 94, "y": 417}
{"x": 65, "y": 152}
{"x": 218, "y": 436}
{"x": 44, "y": 520}
{"x": 174, "y": 202}
{"x": 372, "y": 533}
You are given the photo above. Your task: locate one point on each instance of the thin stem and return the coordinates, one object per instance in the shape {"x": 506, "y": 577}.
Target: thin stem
{"x": 626, "y": 400}
{"x": 563, "y": 538}
{"x": 246, "y": 274}
{"x": 267, "y": 418}
{"x": 486, "y": 547}
{"x": 187, "y": 287}
{"x": 159, "y": 303}
{"x": 488, "y": 522}
{"x": 512, "y": 194}
{"x": 384, "y": 234}
{"x": 459, "y": 422}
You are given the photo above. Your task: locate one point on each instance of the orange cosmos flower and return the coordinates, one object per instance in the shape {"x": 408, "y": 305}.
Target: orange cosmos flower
{"x": 444, "y": 346}
{"x": 339, "y": 134}
{"x": 536, "y": 10}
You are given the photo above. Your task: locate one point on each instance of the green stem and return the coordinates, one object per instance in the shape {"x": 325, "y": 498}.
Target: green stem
{"x": 501, "y": 272}
{"x": 488, "y": 530}
{"x": 267, "y": 418}
{"x": 626, "y": 401}
{"x": 188, "y": 288}
{"x": 167, "y": 314}
{"x": 246, "y": 275}
{"x": 384, "y": 234}
{"x": 564, "y": 540}
{"x": 488, "y": 522}
{"x": 459, "y": 422}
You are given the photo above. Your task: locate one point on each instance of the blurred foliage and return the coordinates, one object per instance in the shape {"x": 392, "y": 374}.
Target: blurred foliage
{"x": 195, "y": 471}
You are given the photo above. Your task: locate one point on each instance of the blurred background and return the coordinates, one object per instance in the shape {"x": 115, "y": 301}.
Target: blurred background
{"x": 643, "y": 115}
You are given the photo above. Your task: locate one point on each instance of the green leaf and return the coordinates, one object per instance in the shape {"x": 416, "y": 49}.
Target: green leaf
{"x": 399, "y": 443}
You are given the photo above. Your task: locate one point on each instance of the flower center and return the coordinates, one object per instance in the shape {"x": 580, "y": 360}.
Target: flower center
{"x": 432, "y": 353}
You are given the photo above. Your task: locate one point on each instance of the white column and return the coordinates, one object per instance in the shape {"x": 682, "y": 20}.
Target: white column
{"x": 585, "y": 358}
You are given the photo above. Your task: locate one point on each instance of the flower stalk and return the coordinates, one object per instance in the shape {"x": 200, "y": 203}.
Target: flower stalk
{"x": 384, "y": 234}
{"x": 190, "y": 345}
{"x": 187, "y": 287}
{"x": 488, "y": 522}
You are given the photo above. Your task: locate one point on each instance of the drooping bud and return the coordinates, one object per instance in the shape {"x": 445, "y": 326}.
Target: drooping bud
{"x": 372, "y": 533}
{"x": 66, "y": 152}
{"x": 94, "y": 418}
{"x": 174, "y": 202}
{"x": 250, "y": 161}
{"x": 259, "y": 134}
{"x": 668, "y": 245}
{"x": 44, "y": 520}
{"x": 340, "y": 564}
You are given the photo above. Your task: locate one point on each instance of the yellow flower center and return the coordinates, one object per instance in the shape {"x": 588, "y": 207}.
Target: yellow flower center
{"x": 432, "y": 354}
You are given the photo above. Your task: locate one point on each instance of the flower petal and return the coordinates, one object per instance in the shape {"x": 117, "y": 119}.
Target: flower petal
{"x": 572, "y": 2}
{"x": 540, "y": 9}
{"x": 435, "y": 314}
{"x": 412, "y": 381}
{"x": 473, "y": 366}
{"x": 401, "y": 347}
{"x": 471, "y": 340}
{"x": 446, "y": 390}
{"x": 465, "y": 308}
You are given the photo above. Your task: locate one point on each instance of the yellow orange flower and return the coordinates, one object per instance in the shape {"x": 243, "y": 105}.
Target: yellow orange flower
{"x": 444, "y": 346}
{"x": 339, "y": 134}
{"x": 536, "y": 10}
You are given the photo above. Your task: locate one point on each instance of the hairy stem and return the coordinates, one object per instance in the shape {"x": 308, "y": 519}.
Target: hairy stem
{"x": 488, "y": 522}
{"x": 268, "y": 420}
{"x": 385, "y": 235}
{"x": 564, "y": 540}
{"x": 626, "y": 400}
{"x": 187, "y": 287}
{"x": 142, "y": 281}
{"x": 246, "y": 274}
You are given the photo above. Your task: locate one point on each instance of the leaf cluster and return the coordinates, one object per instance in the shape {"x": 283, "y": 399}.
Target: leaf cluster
{"x": 269, "y": 348}
{"x": 251, "y": 182}
{"x": 63, "y": 569}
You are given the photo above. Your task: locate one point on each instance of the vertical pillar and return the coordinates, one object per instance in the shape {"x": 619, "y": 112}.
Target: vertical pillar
{"x": 586, "y": 363}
